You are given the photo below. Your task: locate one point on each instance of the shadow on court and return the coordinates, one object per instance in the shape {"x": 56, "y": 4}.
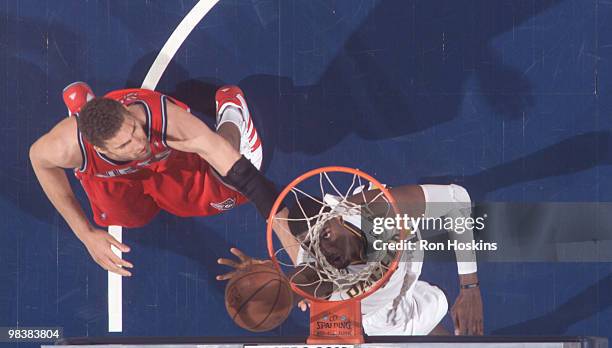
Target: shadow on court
{"x": 577, "y": 308}
{"x": 402, "y": 71}
{"x": 572, "y": 155}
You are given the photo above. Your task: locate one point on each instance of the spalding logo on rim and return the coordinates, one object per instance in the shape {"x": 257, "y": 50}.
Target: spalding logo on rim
{"x": 225, "y": 205}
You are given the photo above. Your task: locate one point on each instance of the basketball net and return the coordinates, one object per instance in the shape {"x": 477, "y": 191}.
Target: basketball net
{"x": 352, "y": 198}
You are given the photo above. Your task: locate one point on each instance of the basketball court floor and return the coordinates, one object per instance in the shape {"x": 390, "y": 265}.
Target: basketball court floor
{"x": 510, "y": 99}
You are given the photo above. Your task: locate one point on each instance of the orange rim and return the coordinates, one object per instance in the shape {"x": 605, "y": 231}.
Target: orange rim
{"x": 301, "y": 178}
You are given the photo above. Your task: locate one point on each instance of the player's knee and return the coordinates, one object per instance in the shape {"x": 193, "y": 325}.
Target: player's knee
{"x": 433, "y": 306}
{"x": 440, "y": 305}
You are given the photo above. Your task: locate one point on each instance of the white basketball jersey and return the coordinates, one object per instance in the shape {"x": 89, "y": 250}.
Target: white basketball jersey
{"x": 406, "y": 274}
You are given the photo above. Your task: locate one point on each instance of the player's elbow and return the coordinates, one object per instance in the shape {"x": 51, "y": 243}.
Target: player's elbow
{"x": 35, "y": 152}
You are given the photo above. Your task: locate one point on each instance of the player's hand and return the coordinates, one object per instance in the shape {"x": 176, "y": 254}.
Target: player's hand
{"x": 244, "y": 262}
{"x": 467, "y": 312}
{"x": 98, "y": 243}
{"x": 304, "y": 305}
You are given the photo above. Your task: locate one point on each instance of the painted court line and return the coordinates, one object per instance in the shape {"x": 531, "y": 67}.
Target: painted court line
{"x": 175, "y": 41}
{"x": 115, "y": 294}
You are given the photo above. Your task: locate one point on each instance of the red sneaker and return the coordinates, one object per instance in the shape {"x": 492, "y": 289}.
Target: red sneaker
{"x": 76, "y": 95}
{"x": 250, "y": 144}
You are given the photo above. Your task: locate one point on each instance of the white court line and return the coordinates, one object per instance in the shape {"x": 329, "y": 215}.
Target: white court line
{"x": 175, "y": 41}
{"x": 115, "y": 298}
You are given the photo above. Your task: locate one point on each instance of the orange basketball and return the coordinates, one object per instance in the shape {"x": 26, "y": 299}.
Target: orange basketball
{"x": 258, "y": 298}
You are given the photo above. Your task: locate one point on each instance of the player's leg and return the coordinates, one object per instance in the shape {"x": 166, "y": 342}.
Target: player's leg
{"x": 417, "y": 312}
{"x": 440, "y": 330}
{"x": 235, "y": 124}
{"x": 431, "y": 307}
{"x": 230, "y": 132}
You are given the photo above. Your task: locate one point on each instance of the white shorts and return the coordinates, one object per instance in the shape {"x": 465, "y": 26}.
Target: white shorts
{"x": 418, "y": 312}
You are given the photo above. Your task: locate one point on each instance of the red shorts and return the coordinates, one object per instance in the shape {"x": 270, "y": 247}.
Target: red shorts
{"x": 185, "y": 186}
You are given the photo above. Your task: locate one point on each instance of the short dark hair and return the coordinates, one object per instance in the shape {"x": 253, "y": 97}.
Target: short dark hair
{"x": 100, "y": 119}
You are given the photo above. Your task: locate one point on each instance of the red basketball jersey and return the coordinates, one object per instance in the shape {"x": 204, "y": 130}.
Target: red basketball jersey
{"x": 96, "y": 164}
{"x": 131, "y": 193}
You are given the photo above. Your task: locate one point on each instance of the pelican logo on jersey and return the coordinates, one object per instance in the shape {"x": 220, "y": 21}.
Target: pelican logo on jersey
{"x": 132, "y": 169}
{"x": 225, "y": 205}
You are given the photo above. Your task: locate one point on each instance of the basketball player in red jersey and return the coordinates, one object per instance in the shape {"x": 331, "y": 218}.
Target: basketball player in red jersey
{"x": 137, "y": 151}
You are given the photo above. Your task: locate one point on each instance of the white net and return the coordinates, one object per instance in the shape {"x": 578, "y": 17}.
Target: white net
{"x": 354, "y": 202}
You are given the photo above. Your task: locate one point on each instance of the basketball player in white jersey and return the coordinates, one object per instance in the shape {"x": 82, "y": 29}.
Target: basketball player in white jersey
{"x": 405, "y": 305}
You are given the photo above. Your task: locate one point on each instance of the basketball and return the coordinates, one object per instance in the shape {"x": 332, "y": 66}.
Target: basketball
{"x": 258, "y": 298}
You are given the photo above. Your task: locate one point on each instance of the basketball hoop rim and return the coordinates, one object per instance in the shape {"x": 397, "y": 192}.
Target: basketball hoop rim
{"x": 270, "y": 232}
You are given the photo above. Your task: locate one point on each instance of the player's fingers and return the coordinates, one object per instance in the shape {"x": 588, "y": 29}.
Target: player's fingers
{"x": 116, "y": 260}
{"x": 118, "y": 263}
{"x": 102, "y": 264}
{"x": 474, "y": 330}
{"x": 228, "y": 262}
{"x": 480, "y": 328}
{"x": 121, "y": 271}
{"x": 126, "y": 263}
{"x": 226, "y": 276}
{"x": 112, "y": 267}
{"x": 456, "y": 323}
{"x": 303, "y": 305}
{"x": 263, "y": 262}
{"x": 464, "y": 328}
{"x": 242, "y": 256}
{"x": 124, "y": 248}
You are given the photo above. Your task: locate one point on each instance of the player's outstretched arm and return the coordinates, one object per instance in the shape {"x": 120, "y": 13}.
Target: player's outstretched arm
{"x": 187, "y": 133}
{"x": 50, "y": 155}
{"x": 290, "y": 243}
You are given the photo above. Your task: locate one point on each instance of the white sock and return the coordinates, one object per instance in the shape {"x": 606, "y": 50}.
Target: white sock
{"x": 234, "y": 115}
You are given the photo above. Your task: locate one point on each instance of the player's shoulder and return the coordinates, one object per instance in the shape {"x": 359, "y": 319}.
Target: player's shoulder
{"x": 60, "y": 146}
{"x": 173, "y": 107}
{"x": 152, "y": 98}
{"x": 129, "y": 95}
